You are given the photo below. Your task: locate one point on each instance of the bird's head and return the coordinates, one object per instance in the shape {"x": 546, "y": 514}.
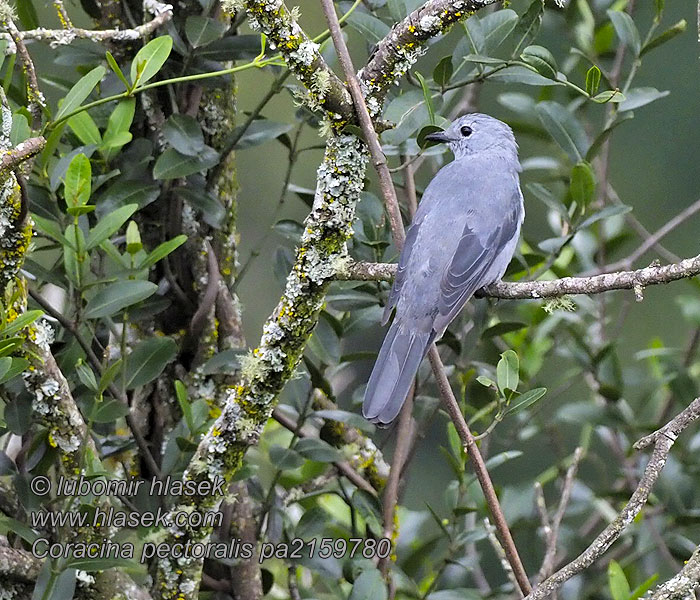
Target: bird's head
{"x": 475, "y": 133}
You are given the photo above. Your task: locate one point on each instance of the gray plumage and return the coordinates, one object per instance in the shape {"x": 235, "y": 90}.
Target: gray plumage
{"x": 462, "y": 238}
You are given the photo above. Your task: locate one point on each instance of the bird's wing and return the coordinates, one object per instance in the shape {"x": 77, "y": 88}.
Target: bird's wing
{"x": 411, "y": 235}
{"x": 471, "y": 262}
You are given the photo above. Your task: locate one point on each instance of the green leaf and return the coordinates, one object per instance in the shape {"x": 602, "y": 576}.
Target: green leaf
{"x": 109, "y": 411}
{"x": 542, "y": 59}
{"x": 582, "y": 184}
{"x": 528, "y": 25}
{"x": 22, "y": 530}
{"x": 133, "y": 239}
{"x": 108, "y": 375}
{"x": 152, "y": 57}
{"x": 565, "y": 129}
{"x": 185, "y": 406}
{"x": 26, "y": 318}
{"x": 184, "y": 134}
{"x": 666, "y": 36}
{"x": 593, "y": 80}
{"x": 285, "y": 459}
{"x": 201, "y": 31}
{"x": 502, "y": 328}
{"x": 85, "y": 129}
{"x": 117, "y": 69}
{"x": 427, "y": 97}
{"x": 609, "y": 96}
{"x": 213, "y": 212}
{"x": 122, "y": 193}
{"x": 485, "y": 381}
{"x": 641, "y": 96}
{"x": 20, "y": 130}
{"x": 619, "y": 588}
{"x": 117, "y": 296}
{"x": 507, "y": 368}
{"x": 78, "y": 181}
{"x": 80, "y": 91}
{"x": 148, "y": 360}
{"x": 368, "y": 586}
{"x": 643, "y": 588}
{"x": 174, "y": 165}
{"x": 49, "y": 228}
{"x": 162, "y": 250}
{"x": 18, "y": 416}
{"x": 606, "y": 213}
{"x": 19, "y": 365}
{"x": 626, "y": 30}
{"x": 117, "y": 133}
{"x": 318, "y": 450}
{"x": 261, "y": 131}
{"x": 372, "y": 29}
{"x": 443, "y": 71}
{"x": 86, "y": 376}
{"x": 525, "y": 400}
{"x": 520, "y": 74}
{"x": 27, "y": 14}
{"x": 5, "y": 364}
{"x": 605, "y": 134}
{"x": 425, "y": 131}
{"x": 496, "y": 27}
{"x": 108, "y": 225}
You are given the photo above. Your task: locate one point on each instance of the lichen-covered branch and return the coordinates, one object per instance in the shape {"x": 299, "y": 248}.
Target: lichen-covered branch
{"x": 12, "y": 158}
{"x": 250, "y": 404}
{"x": 162, "y": 13}
{"x": 302, "y": 56}
{"x": 681, "y": 586}
{"x": 401, "y": 48}
{"x": 596, "y": 284}
{"x": 663, "y": 440}
{"x": 18, "y": 565}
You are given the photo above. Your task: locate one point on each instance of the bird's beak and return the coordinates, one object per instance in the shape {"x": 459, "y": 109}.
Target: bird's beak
{"x": 440, "y": 137}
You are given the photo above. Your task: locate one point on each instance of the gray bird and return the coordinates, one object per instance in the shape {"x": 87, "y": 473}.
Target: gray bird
{"x": 462, "y": 238}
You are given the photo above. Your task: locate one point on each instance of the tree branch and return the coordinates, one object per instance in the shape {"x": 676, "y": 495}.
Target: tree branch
{"x": 682, "y": 585}
{"x": 596, "y": 284}
{"x": 59, "y": 37}
{"x": 663, "y": 440}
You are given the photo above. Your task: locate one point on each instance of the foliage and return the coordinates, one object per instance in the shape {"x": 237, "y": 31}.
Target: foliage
{"x": 137, "y": 186}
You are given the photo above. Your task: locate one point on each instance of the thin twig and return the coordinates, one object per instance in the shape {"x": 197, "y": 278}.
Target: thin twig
{"x": 548, "y": 562}
{"x": 480, "y": 469}
{"x": 662, "y": 440}
{"x": 342, "y": 466}
{"x": 654, "y": 238}
{"x": 500, "y": 552}
{"x": 35, "y": 99}
{"x": 391, "y": 491}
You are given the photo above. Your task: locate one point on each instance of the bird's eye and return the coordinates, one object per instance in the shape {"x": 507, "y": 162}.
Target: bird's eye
{"x": 465, "y": 130}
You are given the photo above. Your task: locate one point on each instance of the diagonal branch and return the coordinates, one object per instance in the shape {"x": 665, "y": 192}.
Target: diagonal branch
{"x": 620, "y": 280}
{"x": 663, "y": 440}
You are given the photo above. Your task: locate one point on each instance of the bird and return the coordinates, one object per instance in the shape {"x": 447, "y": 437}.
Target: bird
{"x": 461, "y": 239}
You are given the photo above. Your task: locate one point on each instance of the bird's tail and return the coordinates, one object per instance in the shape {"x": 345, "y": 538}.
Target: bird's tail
{"x": 393, "y": 373}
